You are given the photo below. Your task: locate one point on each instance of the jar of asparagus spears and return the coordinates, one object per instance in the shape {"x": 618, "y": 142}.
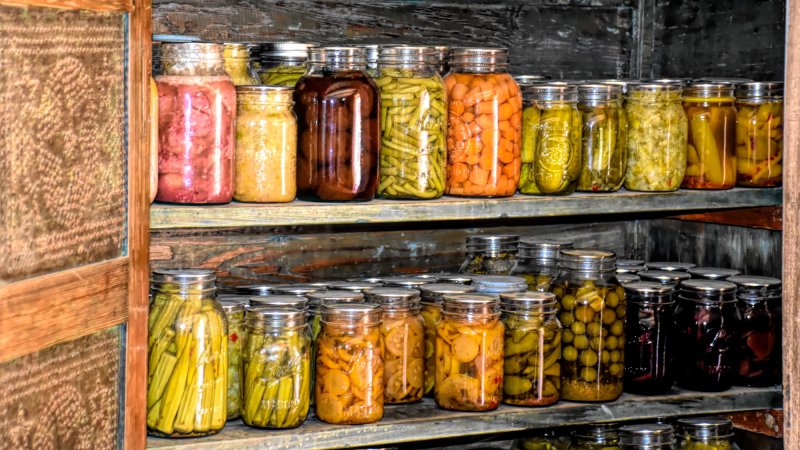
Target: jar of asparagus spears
{"x": 759, "y": 134}
{"x": 413, "y": 123}
{"x": 283, "y": 63}
{"x": 234, "y": 313}
{"x": 592, "y": 314}
{"x": 490, "y": 255}
{"x": 537, "y": 262}
{"x": 605, "y": 138}
{"x": 711, "y": 151}
{"x": 188, "y": 355}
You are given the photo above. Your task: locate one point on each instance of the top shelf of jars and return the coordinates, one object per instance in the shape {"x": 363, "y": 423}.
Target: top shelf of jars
{"x": 168, "y": 216}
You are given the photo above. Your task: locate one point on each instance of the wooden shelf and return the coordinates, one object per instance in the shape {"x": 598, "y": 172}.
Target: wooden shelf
{"x": 423, "y": 421}
{"x": 163, "y": 216}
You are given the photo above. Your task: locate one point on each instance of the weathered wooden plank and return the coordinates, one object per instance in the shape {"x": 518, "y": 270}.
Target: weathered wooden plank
{"x": 768, "y": 422}
{"x": 424, "y": 421}
{"x": 768, "y": 217}
{"x": 92, "y": 5}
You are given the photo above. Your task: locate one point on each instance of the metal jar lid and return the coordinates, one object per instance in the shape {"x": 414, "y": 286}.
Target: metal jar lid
{"x": 475, "y": 56}
{"x": 526, "y": 80}
{"x": 552, "y": 91}
{"x": 664, "y": 277}
{"x": 602, "y": 433}
{"x": 625, "y": 278}
{"x": 344, "y": 56}
{"x": 402, "y": 297}
{"x": 630, "y": 269}
{"x": 296, "y": 289}
{"x": 196, "y": 51}
{"x": 352, "y": 286}
{"x": 432, "y": 277}
{"x": 373, "y": 280}
{"x": 255, "y": 289}
{"x": 406, "y": 282}
{"x": 759, "y": 89}
{"x": 456, "y": 278}
{"x": 434, "y": 293}
{"x": 372, "y": 51}
{"x": 712, "y": 273}
{"x": 656, "y": 87}
{"x": 596, "y": 92}
{"x": 709, "y": 291}
{"x": 265, "y": 93}
{"x": 706, "y": 428}
{"x": 498, "y": 284}
{"x": 285, "y": 49}
{"x": 709, "y": 90}
{"x": 629, "y": 262}
{"x": 469, "y": 304}
{"x": 491, "y": 244}
{"x": 275, "y": 318}
{"x": 622, "y": 83}
{"x": 647, "y": 436}
{"x": 669, "y": 266}
{"x": 587, "y": 260}
{"x": 649, "y": 292}
{"x": 756, "y": 288}
{"x": 233, "y": 298}
{"x": 232, "y": 307}
{"x": 352, "y": 313}
{"x": 277, "y": 301}
{"x": 722, "y": 80}
{"x": 183, "y": 276}
{"x": 529, "y": 302}
{"x": 533, "y": 248}
{"x": 317, "y": 300}
{"x": 407, "y": 55}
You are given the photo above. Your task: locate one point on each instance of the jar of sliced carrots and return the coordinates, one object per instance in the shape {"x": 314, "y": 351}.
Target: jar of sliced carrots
{"x": 485, "y": 117}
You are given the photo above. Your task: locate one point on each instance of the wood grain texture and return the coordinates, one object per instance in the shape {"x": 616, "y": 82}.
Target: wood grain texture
{"x": 91, "y": 5}
{"x": 46, "y": 310}
{"x": 768, "y": 218}
{"x": 768, "y": 422}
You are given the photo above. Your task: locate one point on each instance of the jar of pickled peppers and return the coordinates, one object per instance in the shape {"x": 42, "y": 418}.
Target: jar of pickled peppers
{"x": 649, "y": 343}
{"x": 490, "y": 255}
{"x": 706, "y": 433}
{"x": 649, "y": 436}
{"x": 283, "y": 63}
{"x": 592, "y": 314}
{"x": 604, "y": 138}
{"x": 234, "y": 314}
{"x": 711, "y": 151}
{"x": 596, "y": 437}
{"x": 187, "y": 382}
{"x": 469, "y": 353}
{"x": 537, "y": 261}
{"x": 237, "y": 64}
{"x": 759, "y": 134}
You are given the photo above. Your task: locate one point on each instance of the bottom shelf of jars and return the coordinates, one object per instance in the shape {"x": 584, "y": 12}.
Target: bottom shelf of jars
{"x": 423, "y": 421}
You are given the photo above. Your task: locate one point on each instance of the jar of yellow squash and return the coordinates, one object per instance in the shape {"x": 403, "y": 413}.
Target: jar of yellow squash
{"x": 759, "y": 134}
{"x": 711, "y": 151}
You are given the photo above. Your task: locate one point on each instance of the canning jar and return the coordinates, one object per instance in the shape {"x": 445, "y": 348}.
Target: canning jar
{"x": 541, "y": 440}
{"x": 278, "y": 301}
{"x": 404, "y": 343}
{"x": 531, "y": 369}
{"x": 759, "y": 134}
{"x": 406, "y": 282}
{"x": 442, "y": 59}
{"x": 537, "y": 262}
{"x": 706, "y": 433}
{"x": 283, "y": 63}
{"x": 490, "y": 255}
{"x": 266, "y": 145}
{"x": 349, "y": 380}
{"x": 485, "y": 115}
{"x": 196, "y": 125}
{"x": 255, "y": 289}
{"x": 592, "y": 305}
{"x": 711, "y": 151}
{"x": 413, "y": 123}
{"x": 664, "y": 277}
{"x": 277, "y": 369}
{"x": 234, "y": 313}
{"x": 596, "y": 437}
{"x": 337, "y": 108}
{"x": 432, "y": 296}
{"x": 762, "y": 336}
{"x": 657, "y": 137}
{"x": 237, "y": 64}
{"x": 604, "y": 138}
{"x": 352, "y": 286}
{"x": 651, "y": 436}
{"x": 625, "y": 278}
{"x": 499, "y": 284}
{"x": 712, "y": 273}
{"x": 649, "y": 321}
{"x": 299, "y": 289}
{"x": 318, "y": 300}
{"x": 469, "y": 353}
{"x": 551, "y": 139}
{"x": 187, "y": 381}
{"x": 153, "y": 116}
{"x": 707, "y": 332}
{"x": 670, "y": 266}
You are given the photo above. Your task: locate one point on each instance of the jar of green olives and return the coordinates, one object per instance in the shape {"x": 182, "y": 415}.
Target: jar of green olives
{"x": 592, "y": 314}
{"x": 650, "y": 436}
{"x": 709, "y": 433}
{"x": 234, "y": 313}
{"x": 490, "y": 255}
{"x": 596, "y": 437}
{"x": 537, "y": 262}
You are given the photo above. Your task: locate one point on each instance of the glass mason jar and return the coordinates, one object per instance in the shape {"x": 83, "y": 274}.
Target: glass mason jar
{"x": 237, "y": 64}
{"x": 406, "y": 282}
{"x": 664, "y": 277}
{"x": 541, "y": 440}
{"x": 490, "y": 255}
{"x": 283, "y": 63}
{"x": 712, "y": 273}
{"x": 707, "y": 326}
{"x": 372, "y": 53}
{"x": 657, "y": 137}
{"x": 551, "y": 139}
{"x": 605, "y": 138}
{"x": 537, "y": 262}
{"x": 153, "y": 112}
{"x": 651, "y": 436}
{"x": 349, "y": 380}
{"x": 670, "y": 266}
{"x": 625, "y": 278}
{"x": 196, "y": 125}
{"x": 187, "y": 380}
{"x": 337, "y": 107}
{"x": 469, "y": 353}
{"x": 277, "y": 301}
{"x": 596, "y": 437}
{"x": 649, "y": 321}
{"x": 706, "y": 433}
{"x": 431, "y": 312}
{"x": 532, "y": 349}
{"x": 592, "y": 305}
{"x": 234, "y": 314}
{"x": 711, "y": 152}
{"x": 442, "y": 59}
{"x": 266, "y": 145}
{"x": 413, "y": 123}
{"x": 404, "y": 343}
{"x": 759, "y": 134}
{"x": 485, "y": 116}
{"x": 760, "y": 305}
{"x": 499, "y": 284}
{"x": 277, "y": 369}
{"x": 255, "y": 289}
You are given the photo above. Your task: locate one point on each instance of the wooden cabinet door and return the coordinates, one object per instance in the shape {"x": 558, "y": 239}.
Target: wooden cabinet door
{"x": 73, "y": 223}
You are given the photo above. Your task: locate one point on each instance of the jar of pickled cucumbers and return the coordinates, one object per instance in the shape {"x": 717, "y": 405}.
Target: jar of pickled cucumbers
{"x": 499, "y": 284}
{"x": 650, "y": 436}
{"x": 596, "y": 437}
{"x": 485, "y": 117}
{"x": 404, "y": 343}
{"x": 532, "y": 349}
{"x": 413, "y": 157}
{"x": 266, "y": 145}
{"x": 432, "y": 297}
{"x": 551, "y": 133}
{"x": 237, "y": 64}
{"x": 537, "y": 262}
{"x": 706, "y": 433}
{"x": 759, "y": 134}
{"x": 707, "y": 325}
{"x": 283, "y": 63}
{"x": 664, "y": 277}
{"x": 713, "y": 273}
{"x": 649, "y": 342}
{"x": 592, "y": 305}
{"x": 349, "y": 380}
{"x": 276, "y": 368}
{"x": 711, "y": 152}
{"x": 670, "y": 266}
{"x": 490, "y": 255}
{"x": 541, "y": 440}
{"x": 605, "y": 138}
{"x": 234, "y": 313}
{"x": 657, "y": 137}
{"x": 187, "y": 382}
{"x": 469, "y": 353}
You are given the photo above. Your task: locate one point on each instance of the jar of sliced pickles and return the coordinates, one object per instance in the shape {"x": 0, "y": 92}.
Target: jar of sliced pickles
{"x": 499, "y": 284}
{"x": 469, "y": 353}
{"x": 490, "y": 255}
{"x": 761, "y": 339}
{"x": 759, "y": 134}
{"x": 711, "y": 152}
{"x": 234, "y": 314}
{"x": 413, "y": 123}
{"x": 277, "y": 368}
{"x": 707, "y": 325}
{"x": 712, "y": 273}
{"x": 604, "y": 138}
{"x": 537, "y": 262}
{"x": 657, "y": 137}
{"x": 649, "y": 323}
{"x": 551, "y": 136}
{"x": 283, "y": 63}
{"x": 664, "y": 277}
{"x": 596, "y": 437}
{"x": 706, "y": 433}
{"x": 404, "y": 343}
{"x": 349, "y": 380}
{"x": 592, "y": 305}
{"x": 237, "y": 64}
{"x": 187, "y": 382}
{"x": 650, "y": 436}
{"x": 532, "y": 349}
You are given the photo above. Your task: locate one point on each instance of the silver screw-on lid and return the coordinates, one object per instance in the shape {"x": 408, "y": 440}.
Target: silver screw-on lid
{"x": 649, "y": 436}
{"x": 587, "y": 260}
